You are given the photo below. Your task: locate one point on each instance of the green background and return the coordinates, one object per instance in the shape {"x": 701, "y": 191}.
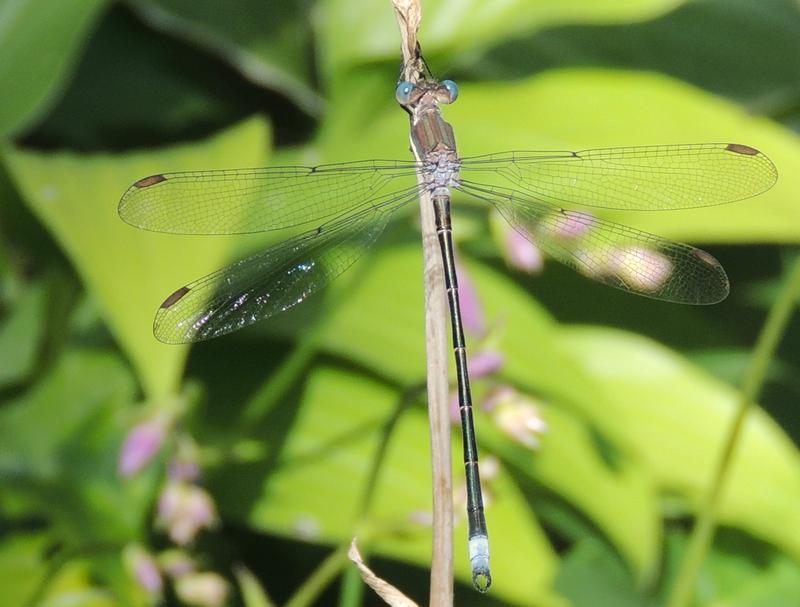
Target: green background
{"x": 293, "y": 416}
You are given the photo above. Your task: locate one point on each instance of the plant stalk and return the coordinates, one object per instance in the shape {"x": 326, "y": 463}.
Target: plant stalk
{"x": 409, "y": 15}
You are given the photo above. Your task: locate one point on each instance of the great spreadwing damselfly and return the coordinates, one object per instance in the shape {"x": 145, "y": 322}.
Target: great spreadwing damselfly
{"x": 339, "y": 210}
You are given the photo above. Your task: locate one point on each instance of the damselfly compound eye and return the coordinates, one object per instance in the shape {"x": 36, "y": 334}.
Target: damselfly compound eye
{"x": 403, "y": 92}
{"x": 452, "y": 90}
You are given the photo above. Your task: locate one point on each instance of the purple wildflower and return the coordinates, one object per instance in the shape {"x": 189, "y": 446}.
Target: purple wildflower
{"x": 143, "y": 442}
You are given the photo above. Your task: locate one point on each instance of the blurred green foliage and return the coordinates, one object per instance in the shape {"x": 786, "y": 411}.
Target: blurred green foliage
{"x": 311, "y": 428}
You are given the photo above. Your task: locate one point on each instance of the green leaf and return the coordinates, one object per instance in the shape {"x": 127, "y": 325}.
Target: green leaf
{"x": 34, "y": 71}
{"x": 395, "y": 349}
{"x": 26, "y": 570}
{"x": 768, "y": 588}
{"x": 353, "y": 329}
{"x": 739, "y": 571}
{"x": 22, "y": 566}
{"x": 58, "y": 453}
{"x": 676, "y": 416}
{"x": 729, "y": 364}
{"x": 323, "y": 452}
{"x": 168, "y": 91}
{"x": 630, "y": 108}
{"x": 21, "y": 334}
{"x": 58, "y": 445}
{"x": 592, "y": 576}
{"x": 268, "y": 43}
{"x": 610, "y": 489}
{"x": 130, "y": 271}
{"x": 36, "y": 427}
{"x": 753, "y": 71}
{"x": 354, "y": 32}
{"x": 76, "y": 584}
{"x": 604, "y": 479}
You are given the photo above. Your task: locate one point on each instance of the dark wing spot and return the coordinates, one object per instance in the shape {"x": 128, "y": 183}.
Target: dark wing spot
{"x": 173, "y": 299}
{"x": 148, "y": 181}
{"x": 739, "y": 148}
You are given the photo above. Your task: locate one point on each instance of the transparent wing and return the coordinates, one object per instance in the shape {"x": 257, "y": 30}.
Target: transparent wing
{"x": 633, "y": 178}
{"x": 273, "y": 280}
{"x": 241, "y": 201}
{"x": 611, "y": 253}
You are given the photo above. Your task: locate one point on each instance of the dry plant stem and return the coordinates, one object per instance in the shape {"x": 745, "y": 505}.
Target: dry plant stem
{"x": 441, "y": 594}
{"x": 703, "y": 532}
{"x": 436, "y": 347}
{"x": 391, "y": 595}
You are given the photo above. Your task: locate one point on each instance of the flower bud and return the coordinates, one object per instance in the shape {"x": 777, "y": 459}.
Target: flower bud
{"x": 640, "y": 267}
{"x": 571, "y": 225}
{"x": 485, "y": 362}
{"x": 521, "y": 253}
{"x": 517, "y": 248}
{"x": 517, "y": 415}
{"x": 143, "y": 442}
{"x": 202, "y": 589}
{"x": 175, "y": 563}
{"x": 184, "y": 509}
{"x": 144, "y": 569}
{"x": 472, "y": 315}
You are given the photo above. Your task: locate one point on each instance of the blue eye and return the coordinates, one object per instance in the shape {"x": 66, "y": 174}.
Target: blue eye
{"x": 403, "y": 92}
{"x": 452, "y": 89}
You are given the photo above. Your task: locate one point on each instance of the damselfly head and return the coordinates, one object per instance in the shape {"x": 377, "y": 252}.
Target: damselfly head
{"x": 409, "y": 94}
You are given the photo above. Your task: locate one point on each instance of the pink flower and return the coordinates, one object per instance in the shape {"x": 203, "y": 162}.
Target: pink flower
{"x": 202, "y": 589}
{"x": 175, "y": 563}
{"x": 183, "y": 470}
{"x": 183, "y": 465}
{"x": 485, "y": 362}
{"x": 641, "y": 268}
{"x": 521, "y": 253}
{"x": 517, "y": 415}
{"x": 143, "y": 442}
{"x": 517, "y": 246}
{"x": 144, "y": 569}
{"x": 183, "y": 510}
{"x": 498, "y": 395}
{"x": 472, "y": 315}
{"x": 571, "y": 224}
{"x": 421, "y": 517}
{"x": 455, "y": 410}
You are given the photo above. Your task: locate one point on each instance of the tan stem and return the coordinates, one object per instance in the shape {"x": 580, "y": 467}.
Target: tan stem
{"x": 436, "y": 347}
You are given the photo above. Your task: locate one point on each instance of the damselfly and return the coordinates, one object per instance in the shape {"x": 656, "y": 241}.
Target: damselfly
{"x": 341, "y": 209}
